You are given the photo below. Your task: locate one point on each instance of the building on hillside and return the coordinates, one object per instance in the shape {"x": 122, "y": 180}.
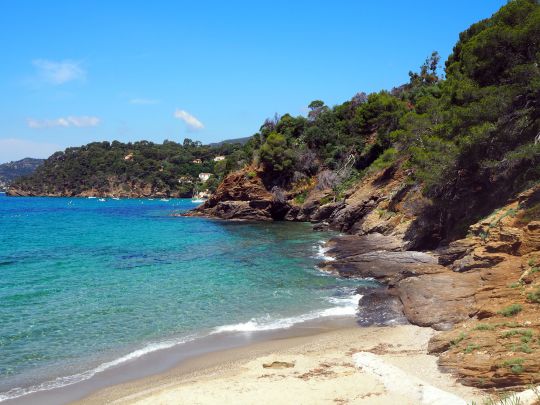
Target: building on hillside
{"x": 185, "y": 180}
{"x": 204, "y": 176}
{"x": 219, "y": 158}
{"x": 197, "y": 161}
{"x": 129, "y": 156}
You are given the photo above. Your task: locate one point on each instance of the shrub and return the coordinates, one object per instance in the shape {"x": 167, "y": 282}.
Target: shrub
{"x": 484, "y": 326}
{"x": 534, "y": 297}
{"x": 521, "y": 332}
{"x": 301, "y": 198}
{"x": 457, "y": 340}
{"x": 384, "y": 161}
{"x": 515, "y": 365}
{"x": 511, "y": 310}
{"x": 471, "y": 348}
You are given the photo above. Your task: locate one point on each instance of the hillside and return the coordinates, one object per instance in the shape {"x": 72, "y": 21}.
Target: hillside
{"x": 463, "y": 143}
{"x": 436, "y": 185}
{"x": 11, "y": 170}
{"x": 139, "y": 169}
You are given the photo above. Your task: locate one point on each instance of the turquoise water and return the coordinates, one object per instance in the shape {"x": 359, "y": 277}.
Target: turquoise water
{"x": 86, "y": 284}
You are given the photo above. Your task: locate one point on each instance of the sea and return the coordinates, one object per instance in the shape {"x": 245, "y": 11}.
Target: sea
{"x": 87, "y": 284}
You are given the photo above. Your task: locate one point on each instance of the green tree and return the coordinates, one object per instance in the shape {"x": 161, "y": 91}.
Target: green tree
{"x": 275, "y": 155}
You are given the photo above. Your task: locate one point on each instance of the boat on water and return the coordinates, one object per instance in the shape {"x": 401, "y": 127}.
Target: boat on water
{"x": 102, "y": 199}
{"x": 115, "y": 198}
{"x": 198, "y": 197}
{"x": 164, "y": 199}
{"x": 92, "y": 197}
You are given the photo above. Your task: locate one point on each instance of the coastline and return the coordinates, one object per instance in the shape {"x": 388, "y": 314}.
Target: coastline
{"x": 181, "y": 355}
{"x": 323, "y": 372}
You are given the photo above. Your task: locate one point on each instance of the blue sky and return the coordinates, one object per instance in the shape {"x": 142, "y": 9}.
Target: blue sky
{"x": 75, "y": 72}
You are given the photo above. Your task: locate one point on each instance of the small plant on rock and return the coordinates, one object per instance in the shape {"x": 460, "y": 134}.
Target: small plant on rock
{"x": 515, "y": 365}
{"x": 534, "y": 297}
{"x": 471, "y": 348}
{"x": 511, "y": 310}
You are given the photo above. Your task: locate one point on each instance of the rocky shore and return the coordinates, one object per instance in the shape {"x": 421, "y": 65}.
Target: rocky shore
{"x": 482, "y": 291}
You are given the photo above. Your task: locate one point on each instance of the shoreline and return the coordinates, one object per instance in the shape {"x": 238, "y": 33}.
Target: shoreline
{"x": 317, "y": 368}
{"x": 177, "y": 356}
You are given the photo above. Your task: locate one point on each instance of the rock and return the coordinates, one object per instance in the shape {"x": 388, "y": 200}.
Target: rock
{"x": 387, "y": 267}
{"x": 278, "y": 364}
{"x": 455, "y": 251}
{"x": 439, "y": 300}
{"x": 351, "y": 245}
{"x": 242, "y": 195}
{"x": 379, "y": 307}
{"x": 292, "y": 214}
{"x": 324, "y": 211}
{"x": 321, "y": 226}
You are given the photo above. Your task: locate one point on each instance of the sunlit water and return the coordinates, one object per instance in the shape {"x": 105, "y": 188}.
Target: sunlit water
{"x": 86, "y": 284}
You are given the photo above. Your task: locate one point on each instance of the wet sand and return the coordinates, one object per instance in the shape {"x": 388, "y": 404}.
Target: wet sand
{"x": 315, "y": 369}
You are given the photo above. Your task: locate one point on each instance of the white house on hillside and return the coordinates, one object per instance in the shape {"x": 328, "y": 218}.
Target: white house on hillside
{"x": 204, "y": 176}
{"x": 219, "y": 158}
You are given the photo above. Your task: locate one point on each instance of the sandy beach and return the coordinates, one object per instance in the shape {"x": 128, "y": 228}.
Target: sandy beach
{"x": 317, "y": 369}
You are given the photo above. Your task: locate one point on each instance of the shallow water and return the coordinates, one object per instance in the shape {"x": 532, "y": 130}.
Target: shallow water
{"x": 86, "y": 285}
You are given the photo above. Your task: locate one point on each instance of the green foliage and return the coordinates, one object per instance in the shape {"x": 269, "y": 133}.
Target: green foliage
{"x": 471, "y": 348}
{"x": 530, "y": 214}
{"x": 515, "y": 365}
{"x": 275, "y": 154}
{"x": 523, "y": 348}
{"x": 511, "y": 310}
{"x": 385, "y": 160}
{"x": 458, "y": 339}
{"x": 534, "y": 297}
{"x": 468, "y": 138}
{"x": 484, "y": 326}
{"x": 166, "y": 168}
{"x": 518, "y": 332}
{"x": 353, "y": 178}
{"x": 301, "y": 198}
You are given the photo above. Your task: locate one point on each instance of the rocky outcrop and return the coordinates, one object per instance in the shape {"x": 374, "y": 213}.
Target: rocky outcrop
{"x": 243, "y": 195}
{"x": 500, "y": 345}
{"x": 381, "y": 203}
{"x": 482, "y": 291}
{"x": 430, "y": 294}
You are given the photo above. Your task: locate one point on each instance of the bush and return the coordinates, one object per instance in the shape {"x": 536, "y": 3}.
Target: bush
{"x": 384, "y": 161}
{"x": 534, "y": 297}
{"x": 515, "y": 365}
{"x": 511, "y": 310}
{"x": 276, "y": 155}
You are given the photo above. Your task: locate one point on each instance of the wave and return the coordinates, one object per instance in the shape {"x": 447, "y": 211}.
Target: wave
{"x": 343, "y": 306}
{"x": 75, "y": 378}
{"x": 321, "y": 251}
{"x": 347, "y": 306}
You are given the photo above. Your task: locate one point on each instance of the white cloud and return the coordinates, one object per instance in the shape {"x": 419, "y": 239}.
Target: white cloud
{"x": 78, "y": 122}
{"x": 15, "y": 149}
{"x": 145, "y": 101}
{"x": 59, "y": 72}
{"x": 191, "y": 122}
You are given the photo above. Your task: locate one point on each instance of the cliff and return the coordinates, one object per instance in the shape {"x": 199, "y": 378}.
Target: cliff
{"x": 482, "y": 290}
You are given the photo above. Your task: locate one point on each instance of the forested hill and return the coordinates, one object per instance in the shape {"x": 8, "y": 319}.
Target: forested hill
{"x": 132, "y": 169}
{"x": 468, "y": 139}
{"x": 11, "y": 170}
